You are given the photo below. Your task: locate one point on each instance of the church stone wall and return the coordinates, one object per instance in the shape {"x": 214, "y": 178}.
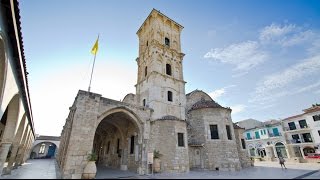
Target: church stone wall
{"x": 218, "y": 153}
{"x": 164, "y": 138}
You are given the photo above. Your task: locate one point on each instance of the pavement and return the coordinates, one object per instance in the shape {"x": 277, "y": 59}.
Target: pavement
{"x": 47, "y": 169}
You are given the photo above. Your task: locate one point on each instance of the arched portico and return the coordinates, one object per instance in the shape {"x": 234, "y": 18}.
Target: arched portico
{"x": 118, "y": 140}
{"x": 3, "y": 62}
{"x": 9, "y": 121}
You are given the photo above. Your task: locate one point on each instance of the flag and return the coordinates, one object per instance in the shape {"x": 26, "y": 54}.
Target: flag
{"x": 94, "y": 49}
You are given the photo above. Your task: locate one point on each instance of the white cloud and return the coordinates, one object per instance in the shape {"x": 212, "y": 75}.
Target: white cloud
{"x": 238, "y": 108}
{"x": 293, "y": 73}
{"x": 285, "y": 36}
{"x": 275, "y": 31}
{"x": 244, "y": 56}
{"x": 219, "y": 92}
{"x": 268, "y": 90}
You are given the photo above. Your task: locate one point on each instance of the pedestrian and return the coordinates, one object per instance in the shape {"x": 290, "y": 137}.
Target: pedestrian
{"x": 281, "y": 161}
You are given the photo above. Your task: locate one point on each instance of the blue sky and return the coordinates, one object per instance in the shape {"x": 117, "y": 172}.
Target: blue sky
{"x": 261, "y": 58}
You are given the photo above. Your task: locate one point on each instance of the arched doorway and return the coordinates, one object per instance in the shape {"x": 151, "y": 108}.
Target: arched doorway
{"x": 43, "y": 150}
{"x": 308, "y": 150}
{"x": 281, "y": 150}
{"x": 116, "y": 142}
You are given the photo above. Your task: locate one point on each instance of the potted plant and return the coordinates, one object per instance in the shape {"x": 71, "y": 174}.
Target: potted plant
{"x": 156, "y": 160}
{"x": 90, "y": 170}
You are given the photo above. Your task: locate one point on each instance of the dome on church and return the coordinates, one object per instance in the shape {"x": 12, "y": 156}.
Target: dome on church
{"x": 205, "y": 104}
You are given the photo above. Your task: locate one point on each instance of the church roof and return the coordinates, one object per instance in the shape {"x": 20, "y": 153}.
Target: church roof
{"x": 205, "y": 104}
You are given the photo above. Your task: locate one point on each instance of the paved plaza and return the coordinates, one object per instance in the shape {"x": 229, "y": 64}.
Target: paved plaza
{"x": 47, "y": 169}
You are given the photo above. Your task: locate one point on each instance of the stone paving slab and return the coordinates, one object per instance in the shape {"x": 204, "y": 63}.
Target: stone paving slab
{"x": 46, "y": 169}
{"x": 34, "y": 169}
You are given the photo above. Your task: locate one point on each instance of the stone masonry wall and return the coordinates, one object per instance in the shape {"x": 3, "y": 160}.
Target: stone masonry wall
{"x": 164, "y": 138}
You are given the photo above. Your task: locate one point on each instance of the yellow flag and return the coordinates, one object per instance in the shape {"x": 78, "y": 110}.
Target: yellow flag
{"x": 94, "y": 49}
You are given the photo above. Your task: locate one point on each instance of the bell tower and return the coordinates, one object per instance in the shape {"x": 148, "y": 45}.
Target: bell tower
{"x": 160, "y": 83}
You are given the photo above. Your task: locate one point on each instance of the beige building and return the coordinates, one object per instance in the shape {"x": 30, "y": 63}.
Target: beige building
{"x": 190, "y": 131}
{"x": 16, "y": 124}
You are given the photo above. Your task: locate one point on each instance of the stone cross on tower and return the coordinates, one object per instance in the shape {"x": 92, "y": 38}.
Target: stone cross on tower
{"x": 160, "y": 83}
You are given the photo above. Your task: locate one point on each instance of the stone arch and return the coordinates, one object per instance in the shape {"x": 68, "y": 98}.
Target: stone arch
{"x": 3, "y": 66}
{"x": 118, "y": 139}
{"x": 125, "y": 110}
{"x": 10, "y": 118}
{"x": 47, "y": 145}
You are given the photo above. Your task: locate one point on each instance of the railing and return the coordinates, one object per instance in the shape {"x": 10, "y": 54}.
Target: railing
{"x": 297, "y": 128}
{"x": 275, "y": 135}
{"x": 296, "y": 141}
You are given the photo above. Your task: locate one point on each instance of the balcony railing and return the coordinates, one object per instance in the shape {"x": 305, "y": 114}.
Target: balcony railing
{"x": 306, "y": 127}
{"x": 297, "y": 141}
{"x": 275, "y": 135}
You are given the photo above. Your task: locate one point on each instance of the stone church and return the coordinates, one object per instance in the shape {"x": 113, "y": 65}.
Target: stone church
{"x": 189, "y": 130}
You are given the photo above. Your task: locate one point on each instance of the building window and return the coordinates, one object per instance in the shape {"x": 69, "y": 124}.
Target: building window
{"x": 168, "y": 69}
{"x": 169, "y": 96}
{"x": 132, "y": 145}
{"x": 145, "y": 71}
{"x": 167, "y": 41}
{"x": 144, "y": 102}
{"x": 292, "y": 126}
{"x": 248, "y": 136}
{"x": 316, "y": 117}
{"x": 147, "y": 43}
{"x": 228, "y": 132}
{"x": 42, "y": 148}
{"x": 214, "y": 131}
{"x": 243, "y": 144}
{"x": 180, "y": 140}
{"x": 319, "y": 133}
{"x": 108, "y": 147}
{"x": 257, "y": 134}
{"x": 303, "y": 123}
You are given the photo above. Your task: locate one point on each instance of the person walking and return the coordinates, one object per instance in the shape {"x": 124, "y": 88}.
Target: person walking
{"x": 281, "y": 161}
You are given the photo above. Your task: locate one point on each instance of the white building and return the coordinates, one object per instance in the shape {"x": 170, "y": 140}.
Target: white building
{"x": 266, "y": 141}
{"x": 302, "y": 132}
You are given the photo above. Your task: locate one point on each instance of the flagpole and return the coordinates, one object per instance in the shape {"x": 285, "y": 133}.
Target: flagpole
{"x": 94, "y": 60}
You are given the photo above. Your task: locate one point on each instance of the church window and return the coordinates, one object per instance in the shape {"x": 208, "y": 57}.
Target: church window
{"x": 108, "y": 148}
{"x": 145, "y": 71}
{"x": 214, "y": 131}
{"x": 167, "y": 41}
{"x": 228, "y": 132}
{"x": 168, "y": 69}
{"x": 118, "y": 145}
{"x": 180, "y": 140}
{"x": 169, "y": 96}
{"x": 42, "y": 148}
{"x": 147, "y": 43}
{"x": 132, "y": 145}
{"x": 243, "y": 144}
{"x": 144, "y": 102}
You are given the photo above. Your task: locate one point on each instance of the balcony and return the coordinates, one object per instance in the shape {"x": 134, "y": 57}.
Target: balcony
{"x": 305, "y": 128}
{"x": 275, "y": 135}
{"x": 299, "y": 141}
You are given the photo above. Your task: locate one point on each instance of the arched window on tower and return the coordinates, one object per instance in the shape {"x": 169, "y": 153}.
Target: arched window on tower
{"x": 145, "y": 71}
{"x": 169, "y": 96}
{"x": 168, "y": 69}
{"x": 144, "y": 102}
{"x": 167, "y": 41}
